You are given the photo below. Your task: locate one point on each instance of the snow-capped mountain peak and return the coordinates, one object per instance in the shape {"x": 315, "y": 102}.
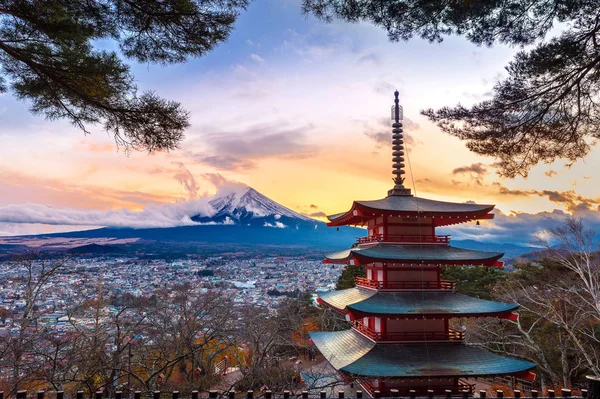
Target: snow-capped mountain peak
{"x": 248, "y": 206}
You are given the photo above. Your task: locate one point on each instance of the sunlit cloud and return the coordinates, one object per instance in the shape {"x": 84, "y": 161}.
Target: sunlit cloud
{"x": 152, "y": 216}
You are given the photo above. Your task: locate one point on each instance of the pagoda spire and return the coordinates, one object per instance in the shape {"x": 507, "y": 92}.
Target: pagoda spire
{"x": 398, "y": 150}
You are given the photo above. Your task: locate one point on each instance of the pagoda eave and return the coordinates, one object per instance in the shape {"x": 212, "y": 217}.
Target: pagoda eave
{"x": 439, "y": 220}
{"x": 419, "y": 316}
{"x": 443, "y": 213}
{"x": 414, "y": 254}
{"x": 362, "y": 302}
{"x": 352, "y": 353}
{"x": 361, "y": 260}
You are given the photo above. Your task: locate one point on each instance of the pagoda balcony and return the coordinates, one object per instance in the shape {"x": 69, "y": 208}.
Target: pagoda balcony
{"x": 426, "y": 239}
{"x": 405, "y": 285}
{"x": 409, "y": 336}
{"x": 455, "y": 390}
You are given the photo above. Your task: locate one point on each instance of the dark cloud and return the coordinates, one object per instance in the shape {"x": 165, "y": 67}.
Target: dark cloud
{"x": 569, "y": 199}
{"x": 223, "y": 162}
{"x": 313, "y": 206}
{"x": 373, "y": 57}
{"x": 380, "y": 138}
{"x": 318, "y": 214}
{"x": 507, "y": 191}
{"x": 238, "y": 151}
{"x": 383, "y": 87}
{"x": 410, "y": 124}
{"x": 551, "y": 173}
{"x": 478, "y": 169}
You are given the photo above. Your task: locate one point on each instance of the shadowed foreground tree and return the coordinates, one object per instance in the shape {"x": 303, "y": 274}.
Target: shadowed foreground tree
{"x": 559, "y": 321}
{"x": 547, "y": 107}
{"x": 48, "y": 57}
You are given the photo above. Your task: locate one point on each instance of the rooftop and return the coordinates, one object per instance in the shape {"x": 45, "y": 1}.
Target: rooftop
{"x": 444, "y": 213}
{"x": 353, "y": 353}
{"x": 413, "y": 303}
{"x": 410, "y": 253}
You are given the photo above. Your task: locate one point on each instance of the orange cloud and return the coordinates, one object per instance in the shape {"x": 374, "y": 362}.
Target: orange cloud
{"x": 91, "y": 146}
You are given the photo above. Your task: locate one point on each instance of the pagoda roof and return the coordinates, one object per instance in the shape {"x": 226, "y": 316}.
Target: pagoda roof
{"x": 408, "y": 205}
{"x": 411, "y": 253}
{"x": 353, "y": 353}
{"x": 413, "y": 303}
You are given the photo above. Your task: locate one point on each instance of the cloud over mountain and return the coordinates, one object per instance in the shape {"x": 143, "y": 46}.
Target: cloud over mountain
{"x": 168, "y": 215}
{"x": 239, "y": 150}
{"x": 153, "y": 215}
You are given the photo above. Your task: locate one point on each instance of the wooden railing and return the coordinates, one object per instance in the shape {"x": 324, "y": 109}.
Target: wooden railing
{"x": 451, "y": 335}
{"x": 464, "y": 390}
{"x": 427, "y": 239}
{"x": 405, "y": 285}
{"x": 365, "y": 282}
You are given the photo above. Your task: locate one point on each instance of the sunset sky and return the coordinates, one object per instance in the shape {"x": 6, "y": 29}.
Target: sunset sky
{"x": 299, "y": 110}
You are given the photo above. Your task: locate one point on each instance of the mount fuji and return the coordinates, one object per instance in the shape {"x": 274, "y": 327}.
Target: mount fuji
{"x": 250, "y": 208}
{"x": 240, "y": 218}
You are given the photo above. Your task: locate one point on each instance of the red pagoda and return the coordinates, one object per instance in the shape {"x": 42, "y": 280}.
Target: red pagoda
{"x": 400, "y": 336}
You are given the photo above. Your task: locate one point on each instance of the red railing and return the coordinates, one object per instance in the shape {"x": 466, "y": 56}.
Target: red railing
{"x": 428, "y": 239}
{"x": 450, "y": 335}
{"x": 365, "y": 282}
{"x": 405, "y": 285}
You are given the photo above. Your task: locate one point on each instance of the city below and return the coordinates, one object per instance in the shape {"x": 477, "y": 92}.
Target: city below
{"x": 258, "y": 282}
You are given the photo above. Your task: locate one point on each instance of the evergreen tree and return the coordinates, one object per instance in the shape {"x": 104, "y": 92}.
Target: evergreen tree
{"x": 346, "y": 279}
{"x": 547, "y": 107}
{"x": 474, "y": 281}
{"x": 49, "y": 56}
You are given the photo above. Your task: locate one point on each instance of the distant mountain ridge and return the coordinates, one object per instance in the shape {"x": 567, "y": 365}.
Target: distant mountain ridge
{"x": 243, "y": 218}
{"x": 510, "y": 251}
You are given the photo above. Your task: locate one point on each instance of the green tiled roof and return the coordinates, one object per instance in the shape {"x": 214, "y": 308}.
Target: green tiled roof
{"x": 342, "y": 298}
{"x": 416, "y": 252}
{"x": 402, "y": 203}
{"x": 413, "y": 303}
{"x": 351, "y": 352}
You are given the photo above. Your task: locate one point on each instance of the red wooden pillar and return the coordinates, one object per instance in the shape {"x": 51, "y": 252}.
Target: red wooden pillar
{"x": 385, "y": 227}
{"x": 446, "y": 328}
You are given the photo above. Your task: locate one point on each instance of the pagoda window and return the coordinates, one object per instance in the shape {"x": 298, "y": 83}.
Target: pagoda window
{"x": 377, "y": 327}
{"x": 369, "y": 273}
{"x": 380, "y": 275}
{"x": 379, "y": 220}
